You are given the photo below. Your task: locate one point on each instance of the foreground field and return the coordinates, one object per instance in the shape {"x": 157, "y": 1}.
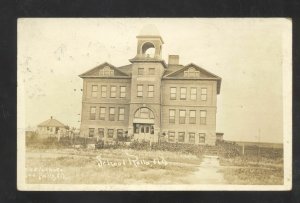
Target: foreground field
{"x": 128, "y": 166}
{"x": 108, "y": 166}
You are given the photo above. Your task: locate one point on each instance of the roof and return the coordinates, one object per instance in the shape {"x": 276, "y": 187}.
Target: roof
{"x": 51, "y": 123}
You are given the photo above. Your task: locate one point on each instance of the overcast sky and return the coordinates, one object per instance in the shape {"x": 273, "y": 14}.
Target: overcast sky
{"x": 245, "y": 53}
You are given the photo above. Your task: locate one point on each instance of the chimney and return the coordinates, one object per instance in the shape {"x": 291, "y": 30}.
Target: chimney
{"x": 51, "y": 117}
{"x": 173, "y": 60}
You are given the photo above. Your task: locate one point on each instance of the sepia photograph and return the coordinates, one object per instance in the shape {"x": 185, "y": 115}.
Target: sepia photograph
{"x": 120, "y": 104}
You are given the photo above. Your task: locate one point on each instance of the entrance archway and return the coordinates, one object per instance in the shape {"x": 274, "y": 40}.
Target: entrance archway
{"x": 143, "y": 123}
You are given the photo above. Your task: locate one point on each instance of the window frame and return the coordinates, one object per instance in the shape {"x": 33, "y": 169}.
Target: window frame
{"x": 173, "y": 95}
{"x": 94, "y": 92}
{"x": 194, "y": 137}
{"x": 103, "y": 91}
{"x": 93, "y": 115}
{"x": 181, "y": 117}
{"x": 203, "y": 94}
{"x": 123, "y": 114}
{"x": 202, "y": 136}
{"x": 91, "y": 132}
{"x": 112, "y": 116}
{"x": 102, "y": 115}
{"x": 203, "y": 119}
{"x": 171, "y": 134}
{"x": 108, "y": 133}
{"x": 181, "y": 135}
{"x": 192, "y": 120}
{"x": 101, "y": 132}
{"x": 172, "y": 118}
{"x": 183, "y": 94}
{"x": 150, "y": 93}
{"x": 193, "y": 94}
{"x": 122, "y": 92}
{"x": 113, "y": 94}
{"x": 140, "y": 92}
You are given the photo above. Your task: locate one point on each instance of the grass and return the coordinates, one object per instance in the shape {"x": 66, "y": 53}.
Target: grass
{"x": 70, "y": 166}
{"x": 251, "y": 170}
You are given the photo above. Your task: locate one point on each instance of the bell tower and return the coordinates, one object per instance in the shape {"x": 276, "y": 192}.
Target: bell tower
{"x": 149, "y": 44}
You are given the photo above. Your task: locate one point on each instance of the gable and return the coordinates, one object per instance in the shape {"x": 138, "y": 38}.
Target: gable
{"x": 103, "y": 70}
{"x": 192, "y": 71}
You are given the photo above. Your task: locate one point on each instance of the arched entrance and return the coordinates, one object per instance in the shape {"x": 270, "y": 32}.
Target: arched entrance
{"x": 143, "y": 123}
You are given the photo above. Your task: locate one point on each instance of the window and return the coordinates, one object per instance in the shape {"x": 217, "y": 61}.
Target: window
{"x": 140, "y": 90}
{"x": 171, "y": 136}
{"x": 201, "y": 137}
{"x": 122, "y": 92}
{"x": 192, "y": 119}
{"x": 203, "y": 94}
{"x": 173, "y": 93}
{"x": 181, "y": 136}
{"x": 94, "y": 90}
{"x": 151, "y": 71}
{"x": 150, "y": 90}
{"x": 183, "y": 93}
{"x": 112, "y": 114}
{"x": 110, "y": 133}
{"x": 91, "y": 132}
{"x": 101, "y": 132}
{"x": 171, "y": 116}
{"x": 92, "y": 113}
{"x": 140, "y": 71}
{"x": 120, "y": 133}
{"x": 121, "y": 114}
{"x": 102, "y": 113}
{"x": 181, "y": 116}
{"x": 203, "y": 117}
{"x": 191, "y": 137}
{"x": 191, "y": 72}
{"x": 106, "y": 71}
{"x": 113, "y": 91}
{"x": 144, "y": 113}
{"x": 103, "y": 91}
{"x": 193, "y": 93}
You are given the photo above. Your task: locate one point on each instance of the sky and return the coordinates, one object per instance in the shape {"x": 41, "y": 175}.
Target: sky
{"x": 248, "y": 54}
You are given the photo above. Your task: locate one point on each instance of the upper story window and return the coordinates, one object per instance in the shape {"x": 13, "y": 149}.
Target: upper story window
{"x": 122, "y": 92}
{"x": 103, "y": 91}
{"x": 191, "y": 72}
{"x": 112, "y": 114}
{"x": 121, "y": 113}
{"x": 106, "y": 71}
{"x": 140, "y": 90}
{"x": 173, "y": 93}
{"x": 151, "y": 71}
{"x": 92, "y": 113}
{"x": 150, "y": 90}
{"x": 193, "y": 93}
{"x": 192, "y": 118}
{"x": 140, "y": 71}
{"x": 182, "y": 116}
{"x": 202, "y": 117}
{"x": 113, "y": 91}
{"x": 94, "y": 90}
{"x": 203, "y": 94}
{"x": 102, "y": 113}
{"x": 172, "y": 116}
{"x": 183, "y": 93}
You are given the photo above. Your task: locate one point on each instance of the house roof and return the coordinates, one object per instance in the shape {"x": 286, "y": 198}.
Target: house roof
{"x": 51, "y": 123}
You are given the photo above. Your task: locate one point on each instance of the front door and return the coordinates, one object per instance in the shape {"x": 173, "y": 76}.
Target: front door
{"x": 143, "y": 131}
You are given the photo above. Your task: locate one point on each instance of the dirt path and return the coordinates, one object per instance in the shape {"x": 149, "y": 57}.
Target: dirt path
{"x": 208, "y": 172}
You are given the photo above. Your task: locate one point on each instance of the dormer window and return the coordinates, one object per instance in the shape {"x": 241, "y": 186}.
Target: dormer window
{"x": 106, "y": 71}
{"x": 191, "y": 72}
